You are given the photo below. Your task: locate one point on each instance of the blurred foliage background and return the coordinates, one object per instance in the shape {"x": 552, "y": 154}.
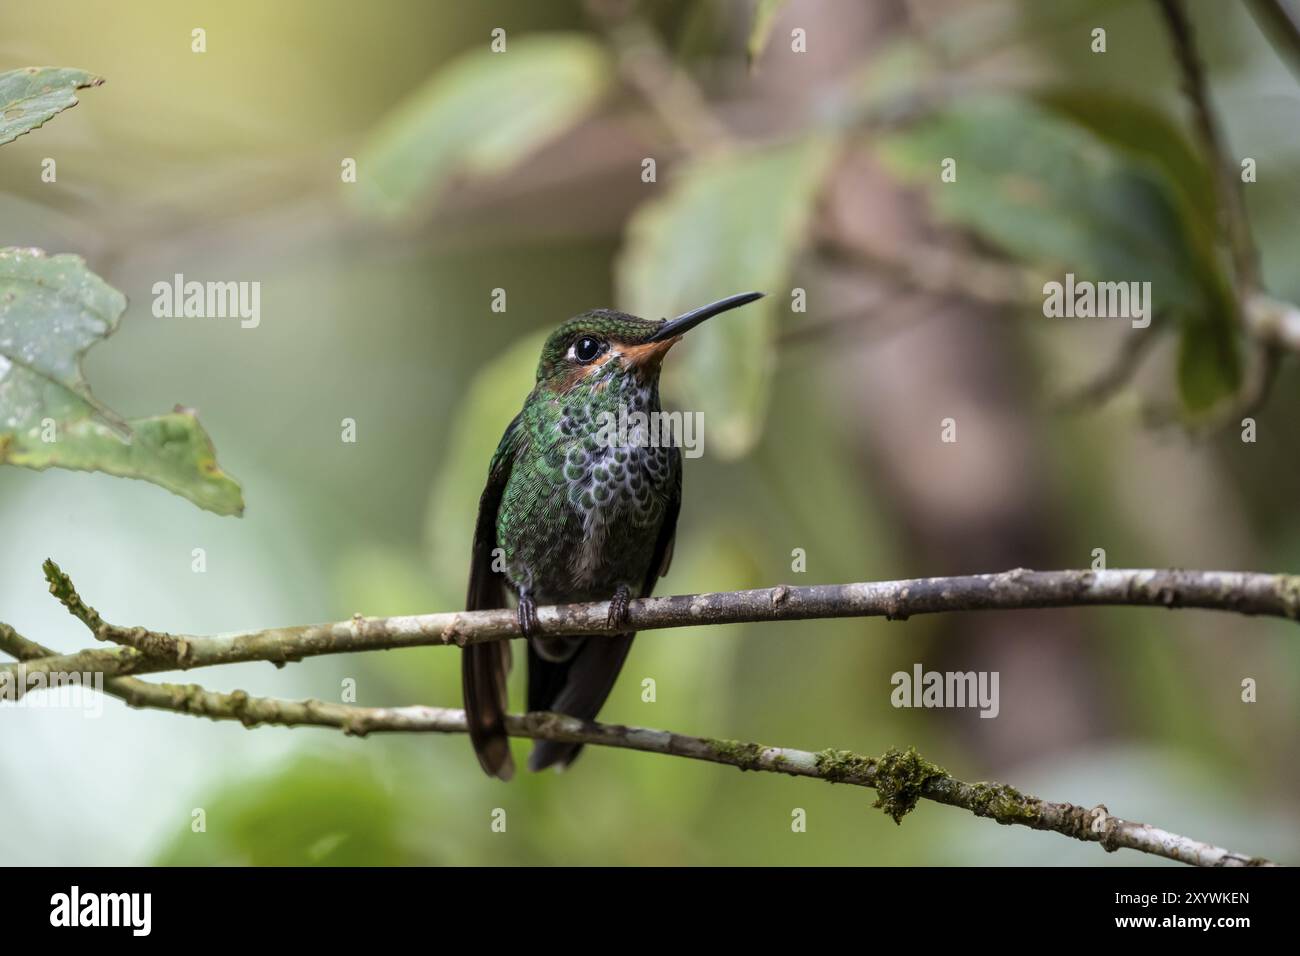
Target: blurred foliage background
{"x": 523, "y": 170}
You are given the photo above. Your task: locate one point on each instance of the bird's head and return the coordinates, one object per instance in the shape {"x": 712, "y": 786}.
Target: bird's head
{"x": 581, "y": 350}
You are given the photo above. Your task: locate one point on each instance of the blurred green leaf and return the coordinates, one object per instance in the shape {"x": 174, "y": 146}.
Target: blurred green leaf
{"x": 315, "y": 812}
{"x": 1047, "y": 191}
{"x": 171, "y": 451}
{"x": 481, "y": 114}
{"x": 30, "y": 97}
{"x": 1126, "y": 206}
{"x": 1147, "y": 135}
{"x": 726, "y": 224}
{"x": 1209, "y": 365}
{"x": 52, "y": 311}
{"x": 760, "y": 31}
{"x": 1209, "y": 368}
{"x": 494, "y": 398}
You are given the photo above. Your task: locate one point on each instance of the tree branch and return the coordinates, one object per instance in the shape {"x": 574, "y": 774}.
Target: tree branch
{"x": 901, "y": 778}
{"x": 1281, "y": 26}
{"x": 943, "y": 271}
{"x": 148, "y": 652}
{"x": 1273, "y": 323}
{"x": 1232, "y": 206}
{"x": 1107, "y": 383}
{"x": 665, "y": 86}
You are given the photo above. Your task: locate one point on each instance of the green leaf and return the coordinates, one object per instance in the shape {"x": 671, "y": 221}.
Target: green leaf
{"x": 1048, "y": 191}
{"x": 30, "y": 97}
{"x": 1106, "y": 191}
{"x": 727, "y": 224}
{"x": 481, "y": 114}
{"x": 1146, "y": 134}
{"x": 1209, "y": 366}
{"x": 760, "y": 31}
{"x": 1209, "y": 360}
{"x": 52, "y": 311}
{"x": 313, "y": 810}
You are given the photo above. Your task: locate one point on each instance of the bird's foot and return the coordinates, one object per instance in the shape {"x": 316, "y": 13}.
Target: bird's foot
{"x": 528, "y": 623}
{"x": 618, "y": 605}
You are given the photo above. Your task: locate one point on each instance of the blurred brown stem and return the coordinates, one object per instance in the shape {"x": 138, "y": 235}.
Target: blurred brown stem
{"x": 1281, "y": 25}
{"x": 1232, "y": 207}
{"x": 666, "y": 87}
{"x": 1128, "y": 359}
{"x": 937, "y": 270}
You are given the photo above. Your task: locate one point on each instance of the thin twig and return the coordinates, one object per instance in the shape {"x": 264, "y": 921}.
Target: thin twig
{"x": 664, "y": 86}
{"x": 1273, "y": 595}
{"x": 937, "y": 270}
{"x": 1115, "y": 376}
{"x": 1231, "y": 203}
{"x": 867, "y": 325}
{"x": 1254, "y": 393}
{"x": 135, "y": 692}
{"x": 1248, "y": 402}
{"x": 1272, "y": 323}
{"x": 901, "y": 778}
{"x": 1281, "y": 25}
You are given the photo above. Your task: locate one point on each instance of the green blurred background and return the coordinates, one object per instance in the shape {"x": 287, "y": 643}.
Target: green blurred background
{"x": 822, "y": 426}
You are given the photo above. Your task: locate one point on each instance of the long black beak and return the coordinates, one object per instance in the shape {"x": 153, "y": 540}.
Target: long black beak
{"x": 684, "y": 323}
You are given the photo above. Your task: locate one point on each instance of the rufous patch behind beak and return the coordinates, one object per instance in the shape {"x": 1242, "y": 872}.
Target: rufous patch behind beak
{"x": 649, "y": 354}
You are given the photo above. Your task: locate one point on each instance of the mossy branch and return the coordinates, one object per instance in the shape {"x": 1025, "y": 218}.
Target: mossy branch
{"x": 901, "y": 778}
{"x": 143, "y": 651}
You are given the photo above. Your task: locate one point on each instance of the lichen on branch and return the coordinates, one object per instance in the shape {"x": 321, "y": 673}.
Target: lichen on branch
{"x": 901, "y": 778}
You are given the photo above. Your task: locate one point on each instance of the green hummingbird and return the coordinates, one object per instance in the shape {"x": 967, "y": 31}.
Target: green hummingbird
{"x": 569, "y": 515}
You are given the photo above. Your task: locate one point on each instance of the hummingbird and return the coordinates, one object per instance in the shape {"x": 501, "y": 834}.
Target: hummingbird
{"x": 572, "y": 517}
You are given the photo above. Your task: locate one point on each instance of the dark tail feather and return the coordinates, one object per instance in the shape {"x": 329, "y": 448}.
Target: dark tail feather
{"x": 484, "y": 669}
{"x": 577, "y": 687}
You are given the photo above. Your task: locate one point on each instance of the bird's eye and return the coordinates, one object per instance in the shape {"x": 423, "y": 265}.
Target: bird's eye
{"x": 586, "y": 349}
